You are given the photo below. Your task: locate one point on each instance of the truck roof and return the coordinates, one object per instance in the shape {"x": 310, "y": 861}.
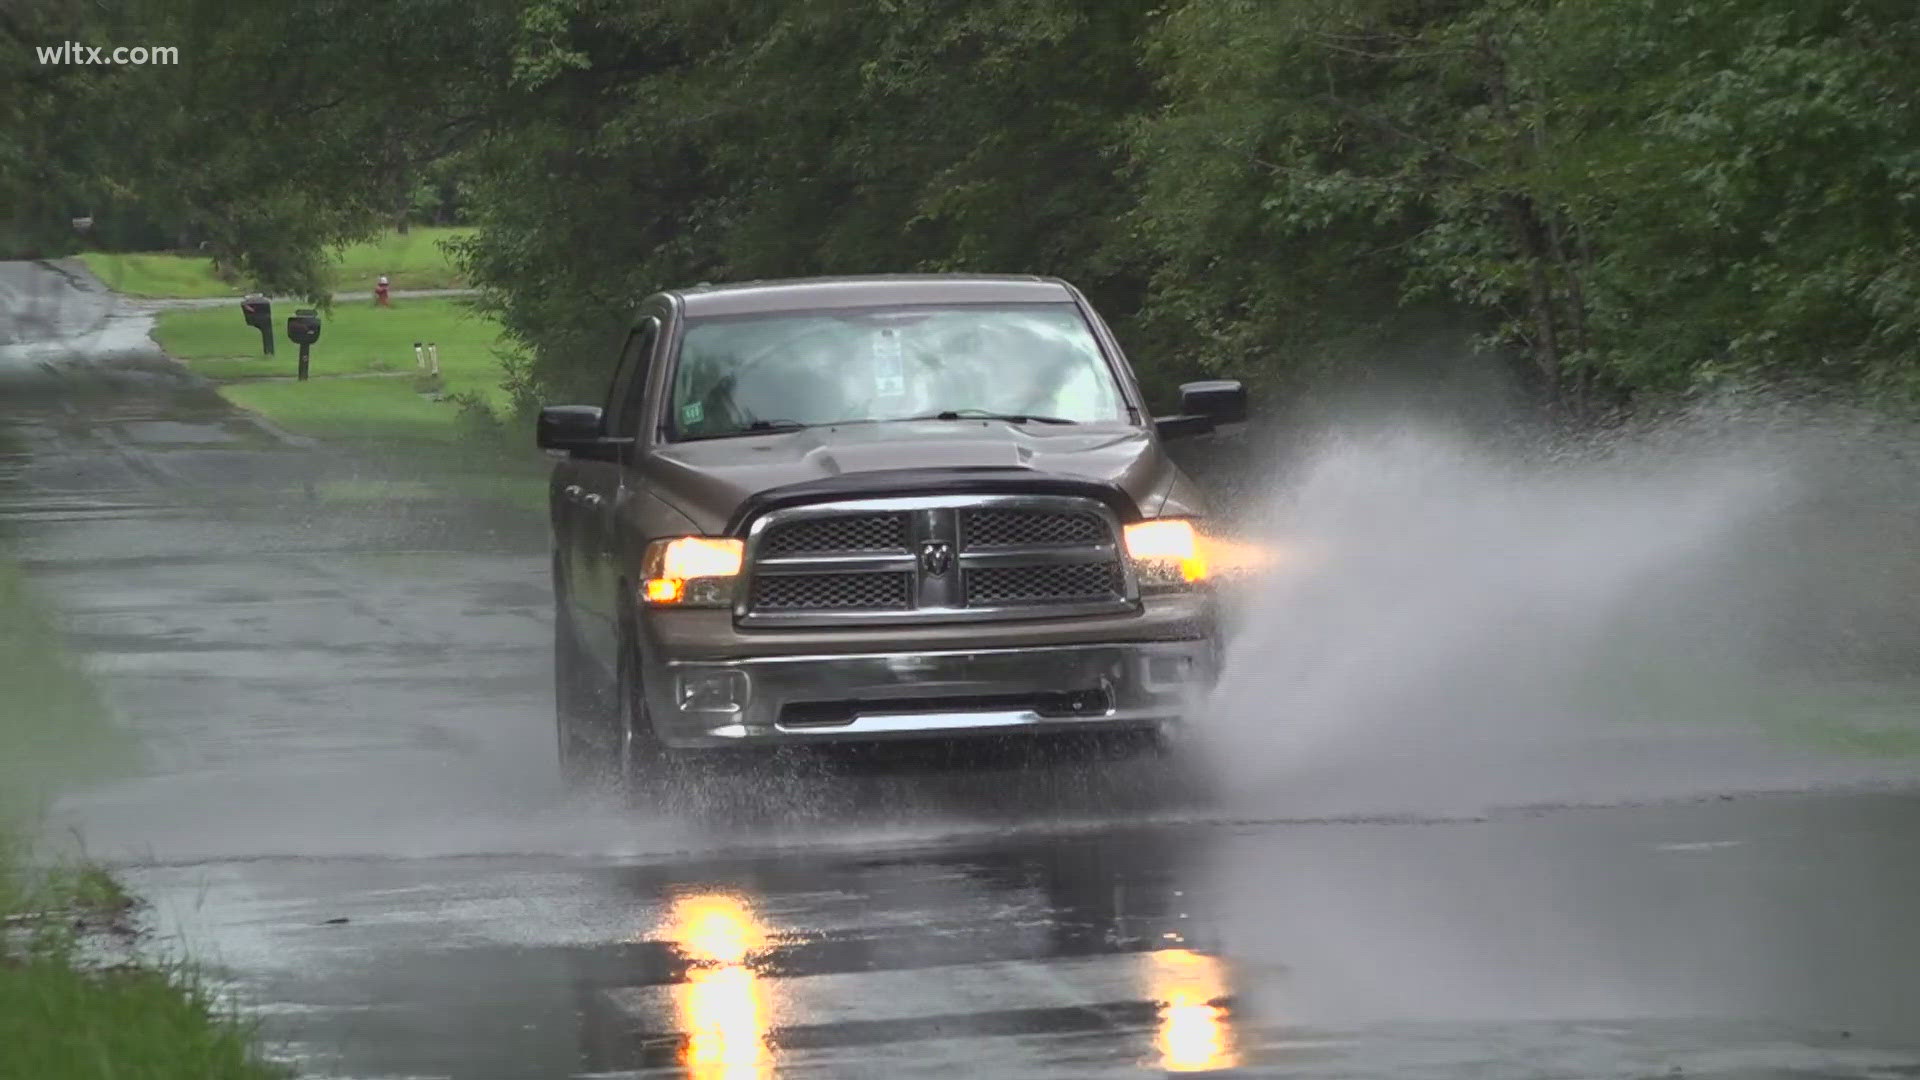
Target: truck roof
{"x": 806, "y": 294}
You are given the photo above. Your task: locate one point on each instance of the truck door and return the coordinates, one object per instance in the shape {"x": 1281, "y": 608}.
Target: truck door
{"x": 597, "y": 584}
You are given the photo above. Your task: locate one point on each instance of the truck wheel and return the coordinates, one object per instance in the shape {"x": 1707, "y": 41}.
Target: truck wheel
{"x": 582, "y": 762}
{"x": 643, "y": 757}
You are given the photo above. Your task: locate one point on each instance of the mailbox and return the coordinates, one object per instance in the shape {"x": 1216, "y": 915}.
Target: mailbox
{"x": 303, "y": 326}
{"x": 303, "y": 329}
{"x": 257, "y": 310}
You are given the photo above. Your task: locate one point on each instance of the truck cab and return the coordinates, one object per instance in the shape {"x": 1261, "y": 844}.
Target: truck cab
{"x": 872, "y": 508}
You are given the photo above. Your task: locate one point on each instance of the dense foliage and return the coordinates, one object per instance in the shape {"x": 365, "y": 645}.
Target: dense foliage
{"x": 282, "y": 131}
{"x": 1628, "y": 197}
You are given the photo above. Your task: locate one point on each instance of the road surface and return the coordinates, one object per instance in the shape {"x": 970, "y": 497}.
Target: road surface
{"x": 348, "y": 807}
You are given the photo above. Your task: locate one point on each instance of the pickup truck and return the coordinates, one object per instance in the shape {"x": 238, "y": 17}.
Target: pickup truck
{"x": 869, "y": 508}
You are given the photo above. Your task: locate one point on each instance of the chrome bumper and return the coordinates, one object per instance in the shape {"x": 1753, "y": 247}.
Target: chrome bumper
{"x": 871, "y": 696}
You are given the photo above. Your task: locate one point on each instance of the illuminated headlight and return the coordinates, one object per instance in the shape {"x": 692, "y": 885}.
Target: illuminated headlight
{"x": 1166, "y": 553}
{"x": 690, "y": 571}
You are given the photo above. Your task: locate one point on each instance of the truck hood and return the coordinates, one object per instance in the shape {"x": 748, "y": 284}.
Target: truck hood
{"x": 708, "y": 480}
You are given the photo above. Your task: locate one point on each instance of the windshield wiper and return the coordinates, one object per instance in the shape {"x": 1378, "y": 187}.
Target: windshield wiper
{"x": 983, "y": 414}
{"x": 760, "y": 427}
{"x": 757, "y": 427}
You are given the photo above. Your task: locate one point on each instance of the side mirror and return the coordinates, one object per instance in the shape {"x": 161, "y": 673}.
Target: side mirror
{"x": 568, "y": 427}
{"x": 1204, "y": 405}
{"x": 1182, "y": 427}
{"x": 576, "y": 429}
{"x": 1224, "y": 401}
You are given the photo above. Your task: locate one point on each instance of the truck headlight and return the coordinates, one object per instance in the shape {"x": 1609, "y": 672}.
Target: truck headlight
{"x": 1166, "y": 553}
{"x": 690, "y": 571}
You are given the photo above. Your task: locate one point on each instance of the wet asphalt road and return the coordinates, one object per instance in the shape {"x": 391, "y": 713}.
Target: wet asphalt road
{"x": 348, "y": 804}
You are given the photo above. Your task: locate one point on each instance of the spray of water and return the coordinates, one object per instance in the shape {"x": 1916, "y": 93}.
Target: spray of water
{"x": 1454, "y": 627}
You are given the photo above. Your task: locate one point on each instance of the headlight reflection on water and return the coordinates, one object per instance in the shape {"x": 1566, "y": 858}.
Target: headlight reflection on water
{"x": 724, "y": 1013}
{"x": 1195, "y": 1025}
{"x": 723, "y": 1006}
{"x": 725, "y": 1009}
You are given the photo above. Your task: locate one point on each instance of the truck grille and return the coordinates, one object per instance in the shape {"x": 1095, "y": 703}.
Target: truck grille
{"x": 949, "y": 558}
{"x": 833, "y": 592}
{"x": 1043, "y": 584}
{"x": 844, "y": 533}
{"x": 1030, "y": 528}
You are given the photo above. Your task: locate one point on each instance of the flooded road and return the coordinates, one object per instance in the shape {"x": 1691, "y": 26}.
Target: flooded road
{"x": 348, "y": 807}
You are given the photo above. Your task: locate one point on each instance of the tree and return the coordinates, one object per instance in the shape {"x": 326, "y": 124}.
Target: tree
{"x": 1639, "y": 195}
{"x": 698, "y": 141}
{"x": 1632, "y": 197}
{"x": 283, "y": 130}
{"x": 44, "y": 170}
{"x": 1748, "y": 171}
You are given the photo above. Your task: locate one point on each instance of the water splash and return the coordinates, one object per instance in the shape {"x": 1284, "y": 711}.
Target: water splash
{"x": 1456, "y": 627}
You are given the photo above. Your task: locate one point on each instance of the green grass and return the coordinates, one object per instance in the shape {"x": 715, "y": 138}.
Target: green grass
{"x": 157, "y": 274}
{"x": 66, "y": 1017}
{"x": 64, "y": 1014}
{"x": 365, "y": 393}
{"x": 54, "y": 727}
{"x": 428, "y": 448}
{"x": 1861, "y": 718}
{"x": 61, "y": 1021}
{"x": 351, "y": 410}
{"x": 356, "y": 338}
{"x": 516, "y": 480}
{"x": 413, "y": 261}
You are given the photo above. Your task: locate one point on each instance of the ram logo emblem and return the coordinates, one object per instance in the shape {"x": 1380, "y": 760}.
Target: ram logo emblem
{"x": 936, "y": 557}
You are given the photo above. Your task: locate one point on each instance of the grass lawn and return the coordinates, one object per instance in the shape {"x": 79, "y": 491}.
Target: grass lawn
{"x": 1876, "y": 717}
{"x": 357, "y": 338}
{"x": 384, "y": 415}
{"x": 54, "y": 728}
{"x": 1863, "y": 719}
{"x": 60, "y": 1020}
{"x": 430, "y": 448}
{"x": 351, "y": 410}
{"x": 412, "y": 261}
{"x": 157, "y": 274}
{"x": 63, "y": 1016}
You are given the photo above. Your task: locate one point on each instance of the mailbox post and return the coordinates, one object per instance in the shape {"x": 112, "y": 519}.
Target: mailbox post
{"x": 303, "y": 329}
{"x": 257, "y": 310}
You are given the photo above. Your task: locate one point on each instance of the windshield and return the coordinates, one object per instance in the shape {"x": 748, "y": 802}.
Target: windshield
{"x": 742, "y": 374}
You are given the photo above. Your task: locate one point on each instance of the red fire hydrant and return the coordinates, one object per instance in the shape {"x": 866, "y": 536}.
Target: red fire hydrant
{"x": 380, "y": 291}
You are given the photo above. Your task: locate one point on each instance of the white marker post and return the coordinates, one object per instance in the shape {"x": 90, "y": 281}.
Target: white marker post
{"x": 419, "y": 357}
{"x": 433, "y": 357}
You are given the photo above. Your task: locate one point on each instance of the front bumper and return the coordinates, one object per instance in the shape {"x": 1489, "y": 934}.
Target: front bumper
{"x": 903, "y": 695}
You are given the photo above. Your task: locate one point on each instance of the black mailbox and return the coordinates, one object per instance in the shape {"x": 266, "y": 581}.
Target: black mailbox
{"x": 303, "y": 329}
{"x": 303, "y": 326}
{"x": 257, "y": 310}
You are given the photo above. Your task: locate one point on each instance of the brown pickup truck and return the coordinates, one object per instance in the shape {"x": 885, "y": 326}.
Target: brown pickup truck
{"x": 872, "y": 508}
